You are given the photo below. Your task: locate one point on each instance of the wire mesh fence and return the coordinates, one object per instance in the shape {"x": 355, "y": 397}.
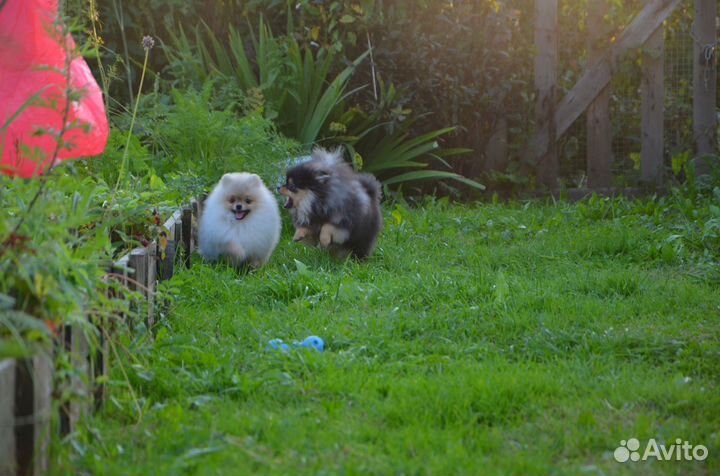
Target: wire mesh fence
{"x": 625, "y": 102}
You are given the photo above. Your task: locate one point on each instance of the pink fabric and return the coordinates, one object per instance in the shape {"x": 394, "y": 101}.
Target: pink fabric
{"x": 32, "y": 60}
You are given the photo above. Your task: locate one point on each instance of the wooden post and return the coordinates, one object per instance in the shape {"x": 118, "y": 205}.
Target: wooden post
{"x": 100, "y": 369}
{"x": 76, "y": 344}
{"x": 198, "y": 207}
{"x": 123, "y": 270}
{"x": 33, "y": 391}
{"x": 121, "y": 267}
{"x": 599, "y": 129}
{"x": 499, "y": 38}
{"x": 152, "y": 259}
{"x": 7, "y": 417}
{"x": 596, "y": 78}
{"x": 496, "y": 149}
{"x": 166, "y": 256}
{"x": 546, "y": 58}
{"x": 138, "y": 262}
{"x": 653, "y": 109}
{"x": 167, "y": 246}
{"x": 187, "y": 235}
{"x": 144, "y": 262}
{"x": 178, "y": 228}
{"x": 705, "y": 82}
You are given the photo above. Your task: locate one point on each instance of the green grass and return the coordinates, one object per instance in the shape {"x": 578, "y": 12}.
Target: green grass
{"x": 520, "y": 339}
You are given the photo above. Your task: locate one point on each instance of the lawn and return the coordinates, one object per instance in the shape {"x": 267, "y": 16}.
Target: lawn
{"x": 520, "y": 338}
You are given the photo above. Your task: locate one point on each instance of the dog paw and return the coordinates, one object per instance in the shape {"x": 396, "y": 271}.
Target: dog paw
{"x": 330, "y": 234}
{"x": 300, "y": 234}
{"x": 235, "y": 250}
{"x": 326, "y": 236}
{"x": 340, "y": 236}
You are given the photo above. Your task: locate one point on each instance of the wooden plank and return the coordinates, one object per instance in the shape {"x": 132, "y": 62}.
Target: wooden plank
{"x": 121, "y": 272}
{"x": 496, "y": 152}
{"x": 76, "y": 344}
{"x": 187, "y": 236}
{"x": 178, "y": 230}
{"x": 167, "y": 246}
{"x": 100, "y": 369}
{"x": 599, "y": 128}
{"x": 173, "y": 220}
{"x": 496, "y": 149}
{"x": 137, "y": 261}
{"x": 705, "y": 82}
{"x": 143, "y": 262}
{"x": 195, "y": 205}
{"x": 166, "y": 256}
{"x": 652, "y": 93}
{"x": 546, "y": 59}
{"x": 597, "y": 77}
{"x": 121, "y": 267}
{"x": 104, "y": 325}
{"x": 150, "y": 279}
{"x": 33, "y": 391}
{"x": 7, "y": 417}
{"x": 198, "y": 207}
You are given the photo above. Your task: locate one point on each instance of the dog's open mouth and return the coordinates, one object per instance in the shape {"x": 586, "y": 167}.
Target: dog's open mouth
{"x": 289, "y": 202}
{"x": 241, "y": 214}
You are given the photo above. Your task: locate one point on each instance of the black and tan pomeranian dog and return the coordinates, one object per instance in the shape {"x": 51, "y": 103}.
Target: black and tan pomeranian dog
{"x": 332, "y": 205}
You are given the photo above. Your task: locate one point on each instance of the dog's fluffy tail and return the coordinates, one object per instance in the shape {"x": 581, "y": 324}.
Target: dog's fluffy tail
{"x": 334, "y": 157}
{"x": 371, "y": 186}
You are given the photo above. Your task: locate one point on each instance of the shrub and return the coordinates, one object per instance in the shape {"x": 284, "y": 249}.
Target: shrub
{"x": 54, "y": 264}
{"x": 182, "y": 145}
{"x": 293, "y": 86}
{"x": 296, "y": 87}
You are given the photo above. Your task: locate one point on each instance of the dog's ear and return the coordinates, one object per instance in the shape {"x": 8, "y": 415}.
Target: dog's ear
{"x": 328, "y": 157}
{"x": 255, "y": 179}
{"x": 322, "y": 176}
{"x": 225, "y": 179}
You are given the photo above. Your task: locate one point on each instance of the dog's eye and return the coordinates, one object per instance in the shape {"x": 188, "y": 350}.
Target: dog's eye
{"x": 232, "y": 199}
{"x": 292, "y": 187}
{"x": 248, "y": 201}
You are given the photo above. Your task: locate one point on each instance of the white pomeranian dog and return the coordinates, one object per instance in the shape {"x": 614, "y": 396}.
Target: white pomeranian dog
{"x": 240, "y": 221}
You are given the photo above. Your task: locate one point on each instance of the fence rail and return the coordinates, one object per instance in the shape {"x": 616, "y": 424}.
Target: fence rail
{"x": 26, "y": 385}
{"x": 641, "y": 97}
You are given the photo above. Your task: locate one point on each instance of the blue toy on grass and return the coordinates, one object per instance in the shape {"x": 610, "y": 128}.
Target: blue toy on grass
{"x": 312, "y": 342}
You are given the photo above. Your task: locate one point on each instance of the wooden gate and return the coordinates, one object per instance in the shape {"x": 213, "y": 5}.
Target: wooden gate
{"x": 591, "y": 92}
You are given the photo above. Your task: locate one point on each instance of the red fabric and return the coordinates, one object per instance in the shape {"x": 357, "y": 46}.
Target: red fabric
{"x": 32, "y": 60}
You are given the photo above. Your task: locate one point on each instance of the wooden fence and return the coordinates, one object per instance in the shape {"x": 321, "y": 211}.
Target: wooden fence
{"x": 26, "y": 385}
{"x": 590, "y": 95}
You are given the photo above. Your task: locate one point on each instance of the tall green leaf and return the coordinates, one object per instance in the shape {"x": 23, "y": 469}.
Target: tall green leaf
{"x": 432, "y": 175}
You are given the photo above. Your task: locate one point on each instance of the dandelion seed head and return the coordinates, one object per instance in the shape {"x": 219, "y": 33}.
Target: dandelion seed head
{"x": 148, "y": 42}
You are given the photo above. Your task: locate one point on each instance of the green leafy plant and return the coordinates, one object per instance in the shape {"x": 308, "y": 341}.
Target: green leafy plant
{"x": 292, "y": 85}
{"x": 298, "y": 89}
{"x": 385, "y": 142}
{"x": 52, "y": 267}
{"x": 194, "y": 139}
